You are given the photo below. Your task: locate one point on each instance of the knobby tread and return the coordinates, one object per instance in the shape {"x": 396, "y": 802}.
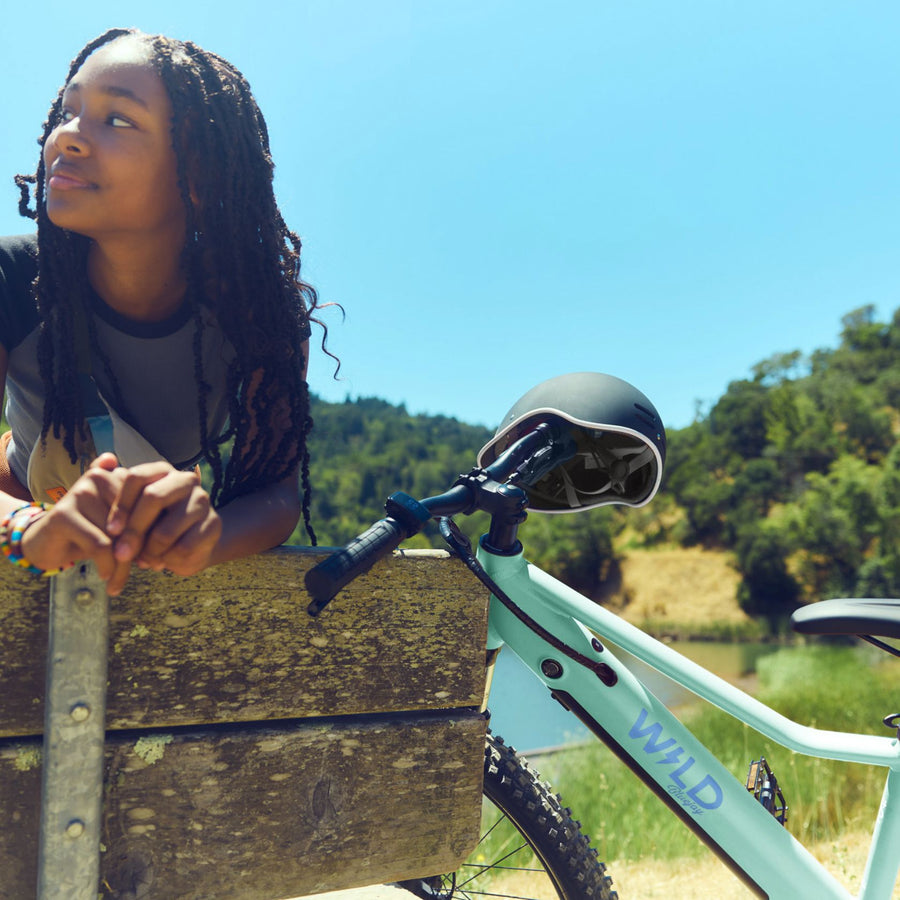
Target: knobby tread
{"x": 543, "y": 824}
{"x": 518, "y": 790}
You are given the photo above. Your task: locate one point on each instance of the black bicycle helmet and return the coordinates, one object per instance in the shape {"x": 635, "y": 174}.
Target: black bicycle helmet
{"x": 620, "y": 439}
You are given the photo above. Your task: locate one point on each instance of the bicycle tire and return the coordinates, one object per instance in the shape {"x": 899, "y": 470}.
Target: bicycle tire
{"x": 546, "y": 855}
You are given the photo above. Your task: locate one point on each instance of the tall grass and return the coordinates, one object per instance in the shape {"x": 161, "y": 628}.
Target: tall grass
{"x": 837, "y": 688}
{"x": 752, "y": 630}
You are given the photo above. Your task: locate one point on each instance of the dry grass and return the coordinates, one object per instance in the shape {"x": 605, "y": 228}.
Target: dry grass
{"x": 687, "y": 586}
{"x": 696, "y": 879}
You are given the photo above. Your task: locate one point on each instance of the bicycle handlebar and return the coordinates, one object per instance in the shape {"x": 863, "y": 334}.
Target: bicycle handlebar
{"x": 334, "y": 573}
{"x": 524, "y": 462}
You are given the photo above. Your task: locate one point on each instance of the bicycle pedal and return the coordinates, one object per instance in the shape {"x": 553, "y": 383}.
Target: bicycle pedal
{"x": 762, "y": 783}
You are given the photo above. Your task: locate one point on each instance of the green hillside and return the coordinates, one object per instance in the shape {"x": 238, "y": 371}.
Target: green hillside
{"x": 794, "y": 472}
{"x": 797, "y": 471}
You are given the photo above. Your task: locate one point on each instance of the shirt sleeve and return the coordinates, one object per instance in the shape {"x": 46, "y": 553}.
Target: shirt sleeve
{"x": 18, "y": 309}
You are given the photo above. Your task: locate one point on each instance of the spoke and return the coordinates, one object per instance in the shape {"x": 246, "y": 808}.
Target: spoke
{"x": 485, "y": 868}
{"x": 491, "y": 829}
{"x": 495, "y": 894}
{"x": 495, "y": 865}
{"x": 508, "y": 864}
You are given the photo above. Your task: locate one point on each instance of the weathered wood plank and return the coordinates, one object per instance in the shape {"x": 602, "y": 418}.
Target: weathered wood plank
{"x": 252, "y": 752}
{"x": 24, "y": 607}
{"x": 263, "y": 813}
{"x": 235, "y": 644}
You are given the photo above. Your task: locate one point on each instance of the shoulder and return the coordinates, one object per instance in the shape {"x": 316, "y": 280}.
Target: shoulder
{"x": 19, "y": 251}
{"x": 18, "y": 268}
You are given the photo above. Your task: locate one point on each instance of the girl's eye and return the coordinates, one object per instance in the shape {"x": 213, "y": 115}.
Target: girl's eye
{"x": 66, "y": 115}
{"x": 119, "y": 122}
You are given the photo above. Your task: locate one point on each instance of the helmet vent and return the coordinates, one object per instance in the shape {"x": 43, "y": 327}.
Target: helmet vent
{"x": 647, "y": 415}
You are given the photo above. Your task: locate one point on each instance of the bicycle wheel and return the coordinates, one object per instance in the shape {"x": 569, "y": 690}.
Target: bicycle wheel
{"x": 531, "y": 847}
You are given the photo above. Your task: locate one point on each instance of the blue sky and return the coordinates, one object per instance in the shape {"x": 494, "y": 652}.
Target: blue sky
{"x": 499, "y": 192}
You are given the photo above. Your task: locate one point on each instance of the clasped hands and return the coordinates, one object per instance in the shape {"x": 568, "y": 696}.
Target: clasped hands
{"x": 151, "y": 515}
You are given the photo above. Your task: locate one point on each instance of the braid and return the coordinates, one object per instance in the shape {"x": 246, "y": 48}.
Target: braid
{"x": 61, "y": 287}
{"x": 241, "y": 263}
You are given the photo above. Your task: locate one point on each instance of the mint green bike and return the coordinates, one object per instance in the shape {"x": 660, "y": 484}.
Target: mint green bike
{"x": 570, "y": 444}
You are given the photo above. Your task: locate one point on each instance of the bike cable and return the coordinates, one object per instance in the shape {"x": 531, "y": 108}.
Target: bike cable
{"x": 462, "y": 546}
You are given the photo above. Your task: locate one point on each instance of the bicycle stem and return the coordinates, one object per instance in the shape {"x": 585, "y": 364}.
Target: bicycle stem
{"x": 499, "y": 489}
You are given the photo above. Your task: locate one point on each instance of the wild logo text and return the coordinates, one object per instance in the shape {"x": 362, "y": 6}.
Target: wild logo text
{"x": 697, "y": 794}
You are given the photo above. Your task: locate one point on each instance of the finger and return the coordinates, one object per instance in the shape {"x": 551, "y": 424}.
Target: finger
{"x": 94, "y": 500}
{"x": 134, "y": 482}
{"x": 89, "y": 498}
{"x": 86, "y": 539}
{"x": 95, "y": 492}
{"x": 191, "y": 552}
{"x": 63, "y": 536}
{"x": 118, "y": 577}
{"x": 163, "y": 496}
{"x": 166, "y": 531}
{"x": 172, "y": 526}
{"x": 107, "y": 461}
{"x": 78, "y": 520}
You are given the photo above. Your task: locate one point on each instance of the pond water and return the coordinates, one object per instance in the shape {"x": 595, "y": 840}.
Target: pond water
{"x": 523, "y": 712}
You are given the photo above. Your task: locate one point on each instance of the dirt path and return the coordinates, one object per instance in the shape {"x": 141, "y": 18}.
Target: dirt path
{"x": 695, "y": 879}
{"x": 687, "y": 879}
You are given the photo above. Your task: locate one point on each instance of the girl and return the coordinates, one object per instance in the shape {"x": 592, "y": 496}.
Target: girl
{"x": 157, "y": 314}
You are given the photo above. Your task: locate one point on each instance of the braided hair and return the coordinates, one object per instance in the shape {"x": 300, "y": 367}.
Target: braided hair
{"x": 241, "y": 262}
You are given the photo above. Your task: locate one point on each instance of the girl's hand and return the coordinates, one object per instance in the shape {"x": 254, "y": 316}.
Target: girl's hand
{"x": 75, "y": 527}
{"x": 161, "y": 518}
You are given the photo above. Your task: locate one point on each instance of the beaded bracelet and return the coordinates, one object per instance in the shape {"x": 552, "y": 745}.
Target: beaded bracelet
{"x": 11, "y": 530}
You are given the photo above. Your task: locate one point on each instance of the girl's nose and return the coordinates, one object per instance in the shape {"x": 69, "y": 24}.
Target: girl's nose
{"x": 69, "y": 138}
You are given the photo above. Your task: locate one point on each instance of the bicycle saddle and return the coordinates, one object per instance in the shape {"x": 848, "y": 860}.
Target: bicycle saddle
{"x": 857, "y": 616}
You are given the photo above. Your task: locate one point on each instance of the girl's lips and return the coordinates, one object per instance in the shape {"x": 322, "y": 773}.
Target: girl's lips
{"x": 61, "y": 181}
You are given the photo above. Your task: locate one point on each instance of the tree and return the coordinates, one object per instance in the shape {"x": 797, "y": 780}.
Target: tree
{"x": 577, "y": 548}
{"x": 757, "y": 486}
{"x": 778, "y": 368}
{"x": 832, "y": 527}
{"x": 738, "y": 420}
{"x": 799, "y": 435}
{"x": 768, "y": 589}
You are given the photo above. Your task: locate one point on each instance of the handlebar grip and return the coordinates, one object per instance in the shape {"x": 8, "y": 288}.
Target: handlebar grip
{"x": 327, "y": 578}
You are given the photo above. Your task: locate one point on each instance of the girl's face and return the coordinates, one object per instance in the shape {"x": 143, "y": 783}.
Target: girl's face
{"x": 110, "y": 166}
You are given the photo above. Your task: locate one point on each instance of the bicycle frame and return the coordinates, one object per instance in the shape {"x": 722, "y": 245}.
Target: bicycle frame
{"x": 666, "y": 755}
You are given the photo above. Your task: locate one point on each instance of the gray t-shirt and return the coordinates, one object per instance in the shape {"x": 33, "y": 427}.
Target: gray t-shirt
{"x": 153, "y": 364}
